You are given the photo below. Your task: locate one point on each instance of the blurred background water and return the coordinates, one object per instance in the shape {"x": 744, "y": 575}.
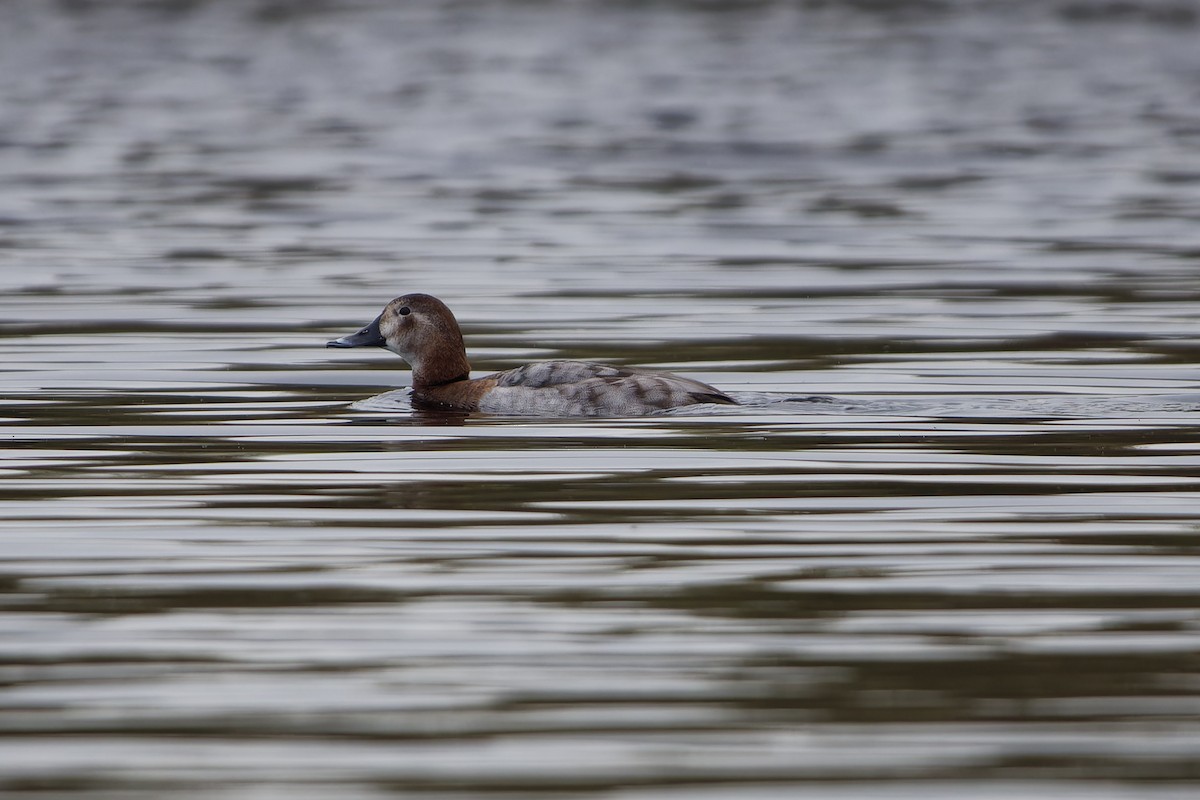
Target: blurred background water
{"x": 972, "y": 572}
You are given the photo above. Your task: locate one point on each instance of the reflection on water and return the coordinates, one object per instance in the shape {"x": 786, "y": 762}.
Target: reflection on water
{"x": 945, "y": 254}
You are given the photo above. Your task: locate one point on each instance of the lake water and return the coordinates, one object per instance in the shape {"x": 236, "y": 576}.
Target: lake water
{"x": 971, "y": 571}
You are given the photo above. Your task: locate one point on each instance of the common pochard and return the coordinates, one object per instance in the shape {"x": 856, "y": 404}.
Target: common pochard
{"x": 422, "y": 330}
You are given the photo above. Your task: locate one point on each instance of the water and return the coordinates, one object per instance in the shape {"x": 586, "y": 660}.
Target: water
{"x": 972, "y": 571}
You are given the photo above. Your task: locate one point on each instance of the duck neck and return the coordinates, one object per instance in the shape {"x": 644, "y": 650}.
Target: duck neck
{"x": 447, "y": 364}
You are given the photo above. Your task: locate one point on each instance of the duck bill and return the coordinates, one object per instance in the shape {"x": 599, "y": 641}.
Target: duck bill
{"x": 367, "y": 337}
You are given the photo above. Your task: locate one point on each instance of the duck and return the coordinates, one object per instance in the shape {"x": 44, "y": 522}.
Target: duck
{"x": 422, "y": 330}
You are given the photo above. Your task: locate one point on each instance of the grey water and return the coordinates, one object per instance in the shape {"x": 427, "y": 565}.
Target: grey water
{"x": 946, "y": 253}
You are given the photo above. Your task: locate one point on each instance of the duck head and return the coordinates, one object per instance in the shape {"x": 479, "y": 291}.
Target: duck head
{"x": 420, "y": 329}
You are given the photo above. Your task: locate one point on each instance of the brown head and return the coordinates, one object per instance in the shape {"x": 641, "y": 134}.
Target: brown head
{"x": 420, "y": 329}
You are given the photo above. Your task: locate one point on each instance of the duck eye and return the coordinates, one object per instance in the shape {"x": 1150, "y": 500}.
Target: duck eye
{"x": 405, "y": 311}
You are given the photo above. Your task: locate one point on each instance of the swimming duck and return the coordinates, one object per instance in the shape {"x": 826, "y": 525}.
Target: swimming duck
{"x": 421, "y": 329}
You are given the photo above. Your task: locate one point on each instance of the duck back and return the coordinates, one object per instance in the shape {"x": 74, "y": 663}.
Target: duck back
{"x": 584, "y": 388}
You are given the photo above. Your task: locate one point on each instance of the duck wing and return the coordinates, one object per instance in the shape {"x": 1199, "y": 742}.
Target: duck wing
{"x": 589, "y": 388}
{"x": 559, "y": 373}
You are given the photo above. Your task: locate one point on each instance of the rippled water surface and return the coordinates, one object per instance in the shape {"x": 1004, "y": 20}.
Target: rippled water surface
{"x": 948, "y": 255}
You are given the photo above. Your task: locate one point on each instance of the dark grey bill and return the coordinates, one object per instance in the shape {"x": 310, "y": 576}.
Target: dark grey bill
{"x": 367, "y": 337}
